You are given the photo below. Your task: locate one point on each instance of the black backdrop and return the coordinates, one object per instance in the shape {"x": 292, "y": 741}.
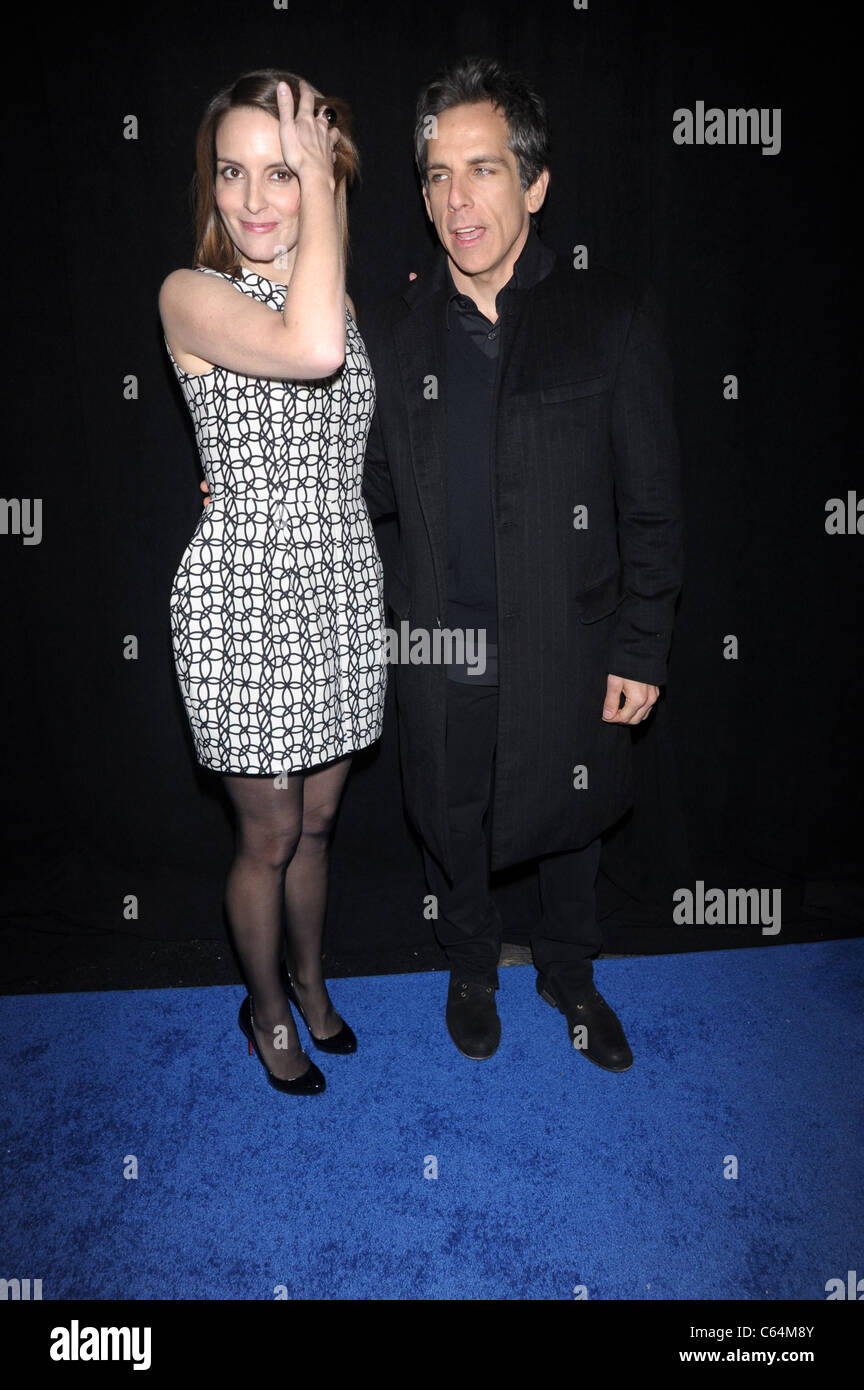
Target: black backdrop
{"x": 748, "y": 775}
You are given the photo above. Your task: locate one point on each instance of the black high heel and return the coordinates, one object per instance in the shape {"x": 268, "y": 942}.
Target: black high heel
{"x": 311, "y": 1083}
{"x": 343, "y": 1042}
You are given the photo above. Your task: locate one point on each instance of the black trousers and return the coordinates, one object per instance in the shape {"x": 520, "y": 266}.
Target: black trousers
{"x": 468, "y": 925}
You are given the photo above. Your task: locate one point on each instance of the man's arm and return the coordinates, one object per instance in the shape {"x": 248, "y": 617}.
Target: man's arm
{"x": 648, "y": 498}
{"x": 377, "y": 484}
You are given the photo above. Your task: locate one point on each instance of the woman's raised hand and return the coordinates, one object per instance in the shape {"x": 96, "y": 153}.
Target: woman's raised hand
{"x": 307, "y": 140}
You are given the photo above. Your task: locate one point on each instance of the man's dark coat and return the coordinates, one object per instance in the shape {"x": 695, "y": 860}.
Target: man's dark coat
{"x": 587, "y": 521}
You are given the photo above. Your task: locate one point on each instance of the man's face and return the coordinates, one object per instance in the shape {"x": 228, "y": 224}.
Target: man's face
{"x": 474, "y": 198}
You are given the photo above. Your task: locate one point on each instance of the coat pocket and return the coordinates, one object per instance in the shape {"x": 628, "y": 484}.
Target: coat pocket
{"x": 601, "y": 599}
{"x": 575, "y": 390}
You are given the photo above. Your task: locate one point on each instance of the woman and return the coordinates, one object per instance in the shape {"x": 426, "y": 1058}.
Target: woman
{"x": 276, "y": 610}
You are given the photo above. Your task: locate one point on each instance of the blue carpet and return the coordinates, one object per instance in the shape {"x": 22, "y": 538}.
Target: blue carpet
{"x": 551, "y": 1172}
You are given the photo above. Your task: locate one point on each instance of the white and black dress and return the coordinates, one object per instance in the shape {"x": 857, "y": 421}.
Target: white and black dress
{"x": 277, "y": 621}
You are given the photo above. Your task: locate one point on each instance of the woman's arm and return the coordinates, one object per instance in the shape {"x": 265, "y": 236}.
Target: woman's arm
{"x": 206, "y": 317}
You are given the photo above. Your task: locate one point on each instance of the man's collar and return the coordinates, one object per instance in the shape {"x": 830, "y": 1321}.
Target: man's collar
{"x": 532, "y": 265}
{"x": 535, "y": 261}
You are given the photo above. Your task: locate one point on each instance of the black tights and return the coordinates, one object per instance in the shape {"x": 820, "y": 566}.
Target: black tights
{"x": 283, "y": 832}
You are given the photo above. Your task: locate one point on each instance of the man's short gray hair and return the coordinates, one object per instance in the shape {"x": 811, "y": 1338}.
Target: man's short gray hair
{"x": 484, "y": 79}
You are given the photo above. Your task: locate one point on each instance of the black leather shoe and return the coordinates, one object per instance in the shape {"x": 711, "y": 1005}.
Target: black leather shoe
{"x": 606, "y": 1044}
{"x": 472, "y": 1019}
{"x": 344, "y": 1041}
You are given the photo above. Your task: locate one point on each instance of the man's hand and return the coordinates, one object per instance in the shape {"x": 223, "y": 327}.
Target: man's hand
{"x": 639, "y": 700}
{"x": 205, "y": 489}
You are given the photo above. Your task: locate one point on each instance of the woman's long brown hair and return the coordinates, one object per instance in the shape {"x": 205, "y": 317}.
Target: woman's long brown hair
{"x": 213, "y": 246}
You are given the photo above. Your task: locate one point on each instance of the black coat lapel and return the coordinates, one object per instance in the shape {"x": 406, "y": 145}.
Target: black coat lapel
{"x": 419, "y": 341}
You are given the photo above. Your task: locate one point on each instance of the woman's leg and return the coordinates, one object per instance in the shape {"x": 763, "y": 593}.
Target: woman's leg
{"x": 306, "y": 895}
{"x": 269, "y": 823}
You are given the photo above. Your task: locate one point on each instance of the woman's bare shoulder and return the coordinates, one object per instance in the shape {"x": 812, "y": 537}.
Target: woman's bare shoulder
{"x": 180, "y": 282}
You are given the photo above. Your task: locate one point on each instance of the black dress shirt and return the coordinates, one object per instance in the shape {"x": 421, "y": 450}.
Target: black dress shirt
{"x": 472, "y": 355}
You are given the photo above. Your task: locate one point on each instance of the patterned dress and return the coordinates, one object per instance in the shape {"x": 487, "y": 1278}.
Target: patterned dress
{"x": 276, "y": 610}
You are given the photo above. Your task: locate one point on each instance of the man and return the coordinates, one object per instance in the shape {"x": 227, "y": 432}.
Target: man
{"x": 524, "y": 436}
